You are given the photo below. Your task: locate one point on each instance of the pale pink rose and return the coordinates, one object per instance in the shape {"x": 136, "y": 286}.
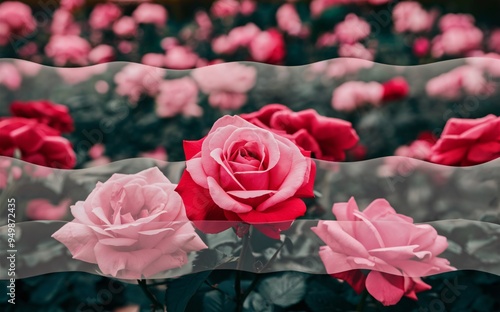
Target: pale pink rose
{"x": 243, "y": 35}
{"x": 461, "y": 21}
{"x": 457, "y": 41}
{"x": 5, "y": 171}
{"x": 10, "y": 76}
{"x": 153, "y": 59}
{"x": 150, "y": 13}
{"x": 178, "y": 96}
{"x": 353, "y": 94}
{"x": 494, "y": 41}
{"x": 227, "y": 100}
{"x": 104, "y": 15}
{"x": 68, "y": 49}
{"x": 132, "y": 226}
{"x": 356, "y": 50}
{"x": 137, "y": 79}
{"x": 223, "y": 45}
{"x": 489, "y": 63}
{"x": 4, "y": 34}
{"x": 102, "y": 54}
{"x": 18, "y": 17}
{"x": 417, "y": 150}
{"x": 168, "y": 43}
{"x": 344, "y": 66}
{"x": 180, "y": 57}
{"x": 227, "y": 77}
{"x": 204, "y": 25}
{"x": 352, "y": 29}
{"x": 225, "y": 8}
{"x": 101, "y": 161}
{"x": 460, "y": 81}
{"x": 410, "y": 16}
{"x": 96, "y": 151}
{"x": 125, "y": 47}
{"x": 101, "y": 86}
{"x": 288, "y": 19}
{"x": 366, "y": 241}
{"x": 77, "y": 75}
{"x": 42, "y": 209}
{"x": 64, "y": 24}
{"x": 327, "y": 39}
{"x": 247, "y": 7}
{"x": 72, "y": 5}
{"x": 159, "y": 154}
{"x": 28, "y": 68}
{"x": 125, "y": 27}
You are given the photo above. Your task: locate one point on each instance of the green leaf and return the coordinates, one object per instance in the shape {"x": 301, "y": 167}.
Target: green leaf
{"x": 216, "y": 301}
{"x": 180, "y": 290}
{"x": 284, "y": 289}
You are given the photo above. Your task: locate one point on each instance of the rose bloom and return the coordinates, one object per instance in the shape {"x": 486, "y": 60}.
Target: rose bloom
{"x": 68, "y": 49}
{"x": 268, "y": 47}
{"x": 178, "y": 96}
{"x": 103, "y": 15}
{"x": 352, "y": 29}
{"x": 227, "y": 100}
{"x": 71, "y": 5}
{"x": 467, "y": 142}
{"x": 102, "y": 54}
{"x": 10, "y": 76}
{"x": 462, "y": 80}
{"x": 150, "y": 13}
{"x": 64, "y": 24}
{"x": 225, "y": 8}
{"x": 137, "y": 79}
{"x": 461, "y": 21}
{"x": 42, "y": 209}
{"x": 28, "y": 68}
{"x": 367, "y": 241}
{"x": 159, "y": 154}
{"x": 489, "y": 62}
{"x": 17, "y": 17}
{"x": 410, "y": 16}
{"x": 421, "y": 47}
{"x": 494, "y": 41}
{"x": 326, "y": 138}
{"x": 227, "y": 77}
{"x": 53, "y": 115}
{"x": 248, "y": 7}
{"x": 356, "y": 50}
{"x": 38, "y": 143}
{"x": 132, "y": 226}
{"x": 288, "y": 19}
{"x": 240, "y": 36}
{"x": 153, "y": 59}
{"x": 345, "y": 66}
{"x": 242, "y": 173}
{"x": 125, "y": 27}
{"x": 353, "y": 94}
{"x": 6, "y": 169}
{"x": 180, "y": 57}
{"x": 457, "y": 41}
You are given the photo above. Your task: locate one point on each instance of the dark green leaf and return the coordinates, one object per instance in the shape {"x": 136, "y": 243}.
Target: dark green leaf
{"x": 181, "y": 289}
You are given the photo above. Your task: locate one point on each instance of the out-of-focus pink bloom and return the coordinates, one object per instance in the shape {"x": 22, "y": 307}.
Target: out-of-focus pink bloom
{"x": 225, "y": 8}
{"x": 18, "y": 18}
{"x": 456, "y": 41}
{"x": 101, "y": 86}
{"x": 227, "y": 77}
{"x": 101, "y": 161}
{"x": 28, "y": 50}
{"x": 352, "y": 29}
{"x": 150, "y": 13}
{"x": 28, "y": 68}
{"x": 10, "y": 76}
{"x": 178, "y": 96}
{"x": 169, "y": 42}
{"x": 494, "y": 41}
{"x": 153, "y": 59}
{"x": 64, "y": 24}
{"x": 489, "y": 63}
{"x": 395, "y": 89}
{"x": 451, "y": 21}
{"x": 356, "y": 50}
{"x": 227, "y": 100}
{"x": 72, "y": 5}
{"x": 42, "y": 209}
{"x": 5, "y": 171}
{"x": 421, "y": 47}
{"x": 288, "y": 19}
{"x": 68, "y": 49}
{"x": 102, "y": 54}
{"x": 247, "y": 7}
{"x": 326, "y": 40}
{"x": 125, "y": 47}
{"x": 318, "y": 6}
{"x": 204, "y": 25}
{"x": 76, "y": 75}
{"x": 180, "y": 57}
{"x": 268, "y": 47}
{"x": 159, "y": 154}
{"x": 103, "y": 15}
{"x": 238, "y": 37}
{"x": 125, "y": 27}
{"x": 137, "y": 79}
{"x": 4, "y": 34}
{"x": 97, "y": 150}
{"x": 353, "y": 94}
{"x": 410, "y": 16}
{"x": 341, "y": 67}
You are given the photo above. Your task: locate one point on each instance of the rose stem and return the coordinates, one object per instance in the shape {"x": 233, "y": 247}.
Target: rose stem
{"x": 151, "y": 297}
{"x": 237, "y": 282}
{"x": 362, "y": 301}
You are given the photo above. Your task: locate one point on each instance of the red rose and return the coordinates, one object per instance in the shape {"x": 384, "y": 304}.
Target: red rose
{"x": 467, "y": 142}
{"x": 326, "y": 138}
{"x": 38, "y": 143}
{"x": 53, "y": 115}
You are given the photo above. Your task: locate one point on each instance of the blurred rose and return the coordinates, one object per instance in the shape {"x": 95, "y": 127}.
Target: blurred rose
{"x": 288, "y": 19}
{"x": 75, "y": 75}
{"x": 72, "y": 5}
{"x": 136, "y": 79}
{"x": 10, "y": 76}
{"x": 42, "y": 209}
{"x": 327, "y": 39}
{"x": 243, "y": 35}
{"x": 352, "y": 29}
{"x": 28, "y": 51}
{"x": 326, "y": 138}
{"x": 28, "y": 68}
{"x": 103, "y": 15}
{"x": 158, "y": 154}
{"x": 268, "y": 47}
{"x": 204, "y": 25}
{"x": 318, "y": 6}
{"x": 489, "y": 63}
{"x": 46, "y": 112}
{"x": 178, "y": 96}
{"x": 97, "y": 150}
{"x": 461, "y": 21}
{"x": 150, "y": 13}
{"x": 409, "y": 16}
{"x": 68, "y": 49}
{"x": 225, "y": 8}
{"x": 366, "y": 241}
{"x": 494, "y": 41}
{"x": 247, "y": 7}
{"x": 7, "y": 169}
{"x": 467, "y": 142}
{"x": 223, "y": 45}
{"x": 356, "y": 50}
{"x": 395, "y": 89}
{"x": 227, "y": 100}
{"x": 344, "y": 66}
{"x": 125, "y": 27}
{"x": 125, "y": 47}
{"x": 169, "y": 42}
{"x": 353, "y": 94}
{"x": 4, "y": 34}
{"x": 101, "y": 161}
{"x": 132, "y": 226}
{"x": 18, "y": 17}
{"x": 102, "y": 54}
{"x": 37, "y": 143}
{"x": 465, "y": 79}
{"x": 180, "y": 57}
{"x": 419, "y": 149}
{"x": 64, "y": 24}
{"x": 421, "y": 47}
{"x": 153, "y": 59}
{"x": 457, "y": 41}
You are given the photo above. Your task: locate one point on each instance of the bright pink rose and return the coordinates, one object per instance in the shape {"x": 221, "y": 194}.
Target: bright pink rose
{"x": 223, "y": 45}
{"x": 68, "y": 49}
{"x": 64, "y": 24}
{"x": 37, "y": 143}
{"x": 288, "y": 19}
{"x": 17, "y": 16}
{"x": 352, "y": 29}
{"x": 395, "y": 89}
{"x": 367, "y": 241}
{"x": 247, "y": 7}
{"x": 318, "y": 6}
{"x": 53, "y": 115}
{"x": 178, "y": 96}
{"x": 462, "y": 80}
{"x": 421, "y": 47}
{"x": 125, "y": 27}
{"x": 102, "y": 54}
{"x": 225, "y": 8}
{"x": 356, "y": 50}
{"x": 353, "y": 94}
{"x": 461, "y": 21}
{"x": 150, "y": 13}
{"x": 137, "y": 79}
{"x": 326, "y": 138}
{"x": 180, "y": 57}
{"x": 10, "y": 76}
{"x": 457, "y": 41}
{"x": 42, "y": 209}
{"x": 131, "y": 226}
{"x": 4, "y": 34}
{"x": 103, "y": 15}
{"x": 72, "y": 5}
{"x": 409, "y": 16}
{"x": 243, "y": 35}
{"x": 467, "y": 142}
{"x": 268, "y": 47}
{"x": 153, "y": 59}
{"x": 242, "y": 173}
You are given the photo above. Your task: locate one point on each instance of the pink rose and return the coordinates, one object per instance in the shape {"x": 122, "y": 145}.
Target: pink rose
{"x": 352, "y": 29}
{"x": 103, "y": 15}
{"x": 247, "y": 7}
{"x": 457, "y": 41}
{"x": 180, "y": 57}
{"x": 10, "y": 76}
{"x": 409, "y": 16}
{"x": 327, "y": 39}
{"x": 467, "y": 142}
{"x": 42, "y": 209}
{"x": 242, "y": 173}
{"x": 226, "y": 77}
{"x": 227, "y": 100}
{"x": 204, "y": 23}
{"x": 225, "y": 8}
{"x": 17, "y": 17}
{"x": 64, "y": 24}
{"x": 243, "y": 35}
{"x": 150, "y": 13}
{"x": 136, "y": 79}
{"x": 344, "y": 66}
{"x": 72, "y": 5}
{"x": 178, "y": 96}
{"x": 4, "y": 34}
{"x": 125, "y": 27}
{"x": 77, "y": 75}
{"x": 97, "y": 150}
{"x": 367, "y": 241}
{"x": 131, "y": 226}
{"x": 489, "y": 63}
{"x": 288, "y": 19}
{"x": 461, "y": 21}
{"x": 102, "y": 54}
{"x": 356, "y": 50}
{"x": 353, "y": 94}
{"x": 462, "y": 80}
{"x": 153, "y": 59}
{"x": 28, "y": 68}
{"x": 7, "y": 169}
{"x": 158, "y": 154}
{"x": 68, "y": 49}
{"x": 268, "y": 47}
{"x": 494, "y": 41}
{"x": 421, "y": 47}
